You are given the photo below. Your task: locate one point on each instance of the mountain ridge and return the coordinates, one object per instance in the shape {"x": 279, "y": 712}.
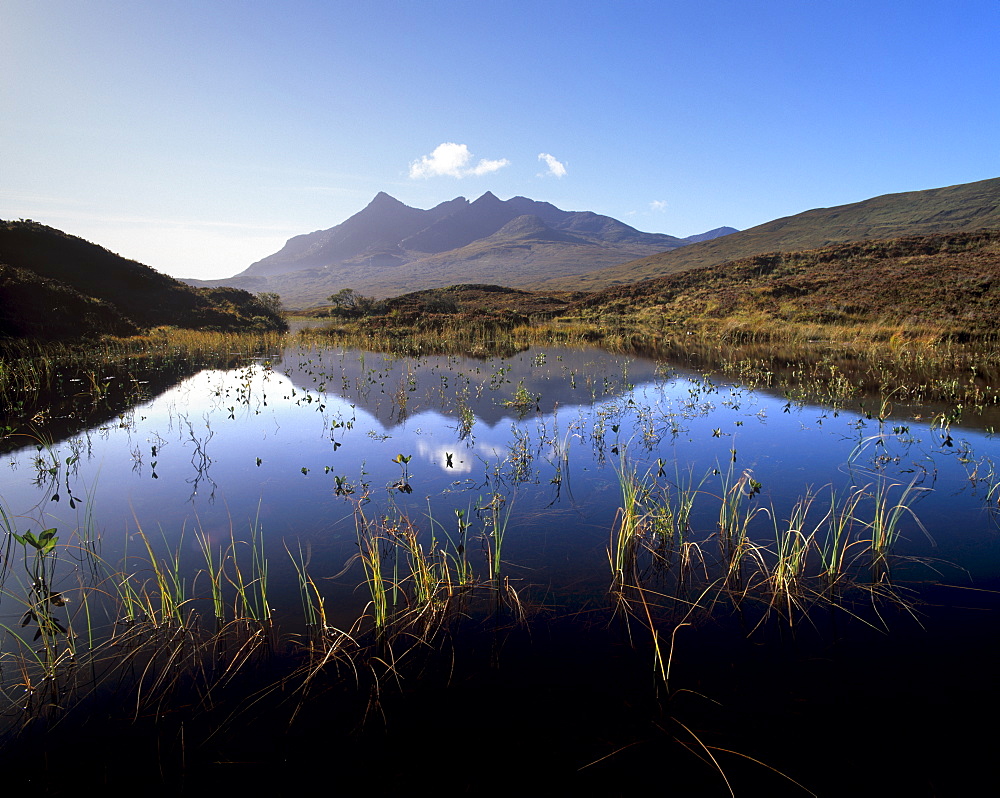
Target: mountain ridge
{"x": 389, "y": 248}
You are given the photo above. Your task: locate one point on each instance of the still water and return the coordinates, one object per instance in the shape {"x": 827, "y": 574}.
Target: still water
{"x": 285, "y": 449}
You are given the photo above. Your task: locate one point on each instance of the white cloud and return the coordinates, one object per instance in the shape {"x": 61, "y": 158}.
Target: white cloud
{"x": 658, "y": 205}
{"x": 485, "y": 166}
{"x": 556, "y": 168}
{"x": 452, "y": 160}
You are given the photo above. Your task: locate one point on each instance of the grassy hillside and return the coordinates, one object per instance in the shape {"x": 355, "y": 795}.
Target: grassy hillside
{"x": 54, "y": 285}
{"x": 969, "y": 206}
{"x": 920, "y": 287}
{"x": 924, "y": 285}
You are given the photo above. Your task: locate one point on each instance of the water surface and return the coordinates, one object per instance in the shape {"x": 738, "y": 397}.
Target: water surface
{"x": 286, "y": 448}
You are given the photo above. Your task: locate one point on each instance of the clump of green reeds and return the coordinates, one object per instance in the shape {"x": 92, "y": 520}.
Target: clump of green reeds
{"x": 370, "y": 539}
{"x": 885, "y": 525}
{"x": 496, "y": 519}
{"x": 811, "y": 557}
{"x": 224, "y": 567}
{"x": 630, "y": 522}
{"x": 736, "y": 512}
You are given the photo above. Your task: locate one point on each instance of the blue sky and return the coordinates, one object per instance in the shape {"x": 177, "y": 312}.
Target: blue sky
{"x": 197, "y": 137}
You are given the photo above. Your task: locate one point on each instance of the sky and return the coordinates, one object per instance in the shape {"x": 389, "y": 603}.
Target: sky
{"x": 197, "y": 137}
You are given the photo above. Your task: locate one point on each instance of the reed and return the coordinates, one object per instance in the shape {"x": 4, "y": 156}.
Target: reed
{"x": 214, "y": 572}
{"x": 793, "y": 545}
{"x": 886, "y": 524}
{"x": 370, "y": 550}
{"x": 630, "y": 522}
{"x": 167, "y": 601}
{"x": 251, "y": 589}
{"x": 497, "y": 517}
{"x": 735, "y": 516}
{"x": 671, "y": 511}
{"x": 322, "y": 639}
{"x": 840, "y": 538}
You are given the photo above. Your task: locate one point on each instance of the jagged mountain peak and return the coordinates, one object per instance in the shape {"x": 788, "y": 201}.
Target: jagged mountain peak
{"x": 528, "y": 239}
{"x": 382, "y": 198}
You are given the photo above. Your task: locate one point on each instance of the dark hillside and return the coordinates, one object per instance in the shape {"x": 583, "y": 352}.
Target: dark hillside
{"x": 47, "y": 310}
{"x": 75, "y": 280}
{"x": 477, "y": 298}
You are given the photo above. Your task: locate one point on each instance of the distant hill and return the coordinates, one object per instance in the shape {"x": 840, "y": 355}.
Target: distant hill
{"x": 389, "y": 248}
{"x": 54, "y": 286}
{"x": 969, "y": 206}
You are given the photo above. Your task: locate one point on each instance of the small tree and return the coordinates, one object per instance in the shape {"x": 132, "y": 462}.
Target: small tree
{"x": 271, "y": 301}
{"x": 348, "y": 302}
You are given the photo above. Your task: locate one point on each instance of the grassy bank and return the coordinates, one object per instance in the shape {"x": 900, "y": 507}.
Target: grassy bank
{"x": 66, "y": 385}
{"x": 881, "y": 362}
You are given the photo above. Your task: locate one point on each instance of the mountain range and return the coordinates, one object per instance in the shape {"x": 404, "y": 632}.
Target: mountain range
{"x": 390, "y": 248}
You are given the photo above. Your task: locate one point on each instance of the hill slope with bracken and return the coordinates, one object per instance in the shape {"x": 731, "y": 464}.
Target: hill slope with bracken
{"x": 946, "y": 284}
{"x": 968, "y": 206}
{"x": 54, "y": 285}
{"x": 927, "y": 287}
{"x": 389, "y": 248}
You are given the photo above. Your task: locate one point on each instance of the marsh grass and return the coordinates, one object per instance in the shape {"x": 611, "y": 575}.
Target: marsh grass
{"x": 132, "y": 631}
{"x": 886, "y": 523}
{"x": 164, "y": 635}
{"x": 630, "y": 523}
{"x": 816, "y": 554}
{"x": 496, "y": 516}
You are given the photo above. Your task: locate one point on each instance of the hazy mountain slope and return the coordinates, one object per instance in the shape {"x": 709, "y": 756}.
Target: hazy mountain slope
{"x": 388, "y": 248}
{"x": 72, "y": 281}
{"x": 377, "y": 229}
{"x": 478, "y": 219}
{"x": 512, "y": 256}
{"x": 968, "y": 206}
{"x": 718, "y": 232}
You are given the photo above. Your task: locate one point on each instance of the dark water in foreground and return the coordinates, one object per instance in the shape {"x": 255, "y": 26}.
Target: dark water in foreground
{"x": 876, "y": 693}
